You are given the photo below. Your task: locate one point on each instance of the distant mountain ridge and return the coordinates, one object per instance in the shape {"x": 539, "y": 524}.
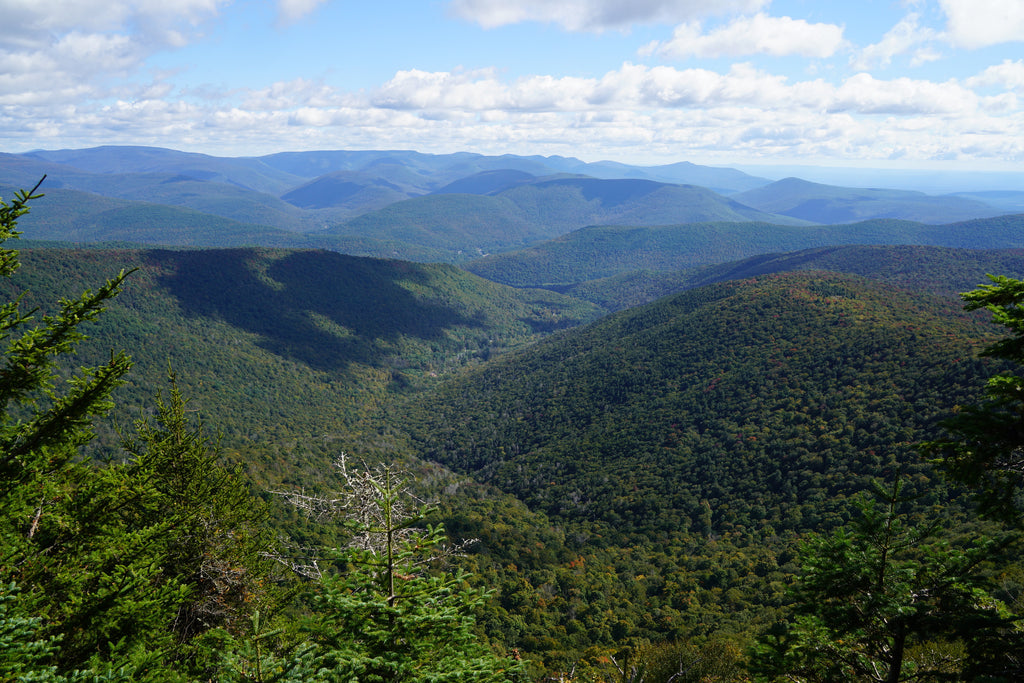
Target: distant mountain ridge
{"x": 828, "y": 204}
{"x": 387, "y": 203}
{"x": 605, "y": 251}
{"x": 941, "y": 271}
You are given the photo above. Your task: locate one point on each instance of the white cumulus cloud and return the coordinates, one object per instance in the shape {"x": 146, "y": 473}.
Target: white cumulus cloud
{"x": 865, "y": 94}
{"x": 749, "y": 35}
{"x": 58, "y": 49}
{"x": 980, "y": 23}
{"x": 595, "y": 15}
{"x": 1009, "y": 76}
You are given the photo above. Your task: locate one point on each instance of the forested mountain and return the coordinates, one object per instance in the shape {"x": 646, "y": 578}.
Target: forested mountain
{"x": 604, "y": 251}
{"x": 675, "y": 443}
{"x": 828, "y": 204}
{"x": 639, "y": 484}
{"x": 934, "y": 270}
{"x": 812, "y": 381}
{"x": 414, "y": 206}
{"x": 463, "y": 226}
{"x": 284, "y": 341}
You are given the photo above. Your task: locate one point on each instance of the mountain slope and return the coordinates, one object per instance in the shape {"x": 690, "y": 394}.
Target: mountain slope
{"x": 467, "y": 225}
{"x": 932, "y": 270}
{"x": 278, "y": 341}
{"x": 681, "y": 449}
{"x": 575, "y": 202}
{"x": 829, "y": 204}
{"x": 76, "y": 216}
{"x": 605, "y": 251}
{"x": 766, "y": 401}
{"x": 245, "y": 172}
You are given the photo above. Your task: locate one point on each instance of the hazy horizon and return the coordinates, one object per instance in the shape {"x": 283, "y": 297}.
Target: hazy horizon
{"x": 928, "y": 84}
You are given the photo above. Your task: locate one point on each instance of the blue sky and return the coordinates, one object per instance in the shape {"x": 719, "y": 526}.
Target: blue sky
{"x": 895, "y": 84}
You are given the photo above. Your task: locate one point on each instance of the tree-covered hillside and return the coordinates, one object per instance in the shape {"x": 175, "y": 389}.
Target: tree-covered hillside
{"x": 829, "y": 204}
{"x": 605, "y": 251}
{"x": 681, "y": 447}
{"x": 291, "y": 341}
{"x": 933, "y": 270}
{"x": 811, "y": 381}
{"x": 465, "y": 226}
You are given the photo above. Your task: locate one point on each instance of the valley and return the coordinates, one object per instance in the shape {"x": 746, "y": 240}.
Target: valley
{"x": 640, "y": 390}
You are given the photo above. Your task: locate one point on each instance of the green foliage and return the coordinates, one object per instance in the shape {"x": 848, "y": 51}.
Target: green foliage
{"x": 40, "y": 428}
{"x": 937, "y": 270}
{"x": 718, "y": 660}
{"x": 671, "y": 455}
{"x": 607, "y": 250}
{"x": 389, "y": 614}
{"x": 120, "y": 565}
{"x": 984, "y": 445}
{"x": 23, "y": 654}
{"x": 269, "y": 337}
{"x": 47, "y": 500}
{"x": 214, "y": 532}
{"x": 881, "y": 600}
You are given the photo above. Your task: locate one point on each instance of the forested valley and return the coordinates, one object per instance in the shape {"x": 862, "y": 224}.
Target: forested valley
{"x": 260, "y": 464}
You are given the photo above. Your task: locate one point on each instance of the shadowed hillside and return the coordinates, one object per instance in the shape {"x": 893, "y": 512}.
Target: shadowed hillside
{"x": 323, "y": 309}
{"x": 290, "y": 341}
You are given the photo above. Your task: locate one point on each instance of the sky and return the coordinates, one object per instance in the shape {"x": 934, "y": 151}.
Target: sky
{"x": 877, "y": 83}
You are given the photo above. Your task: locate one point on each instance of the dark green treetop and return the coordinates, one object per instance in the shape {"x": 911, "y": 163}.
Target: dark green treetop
{"x": 984, "y": 445}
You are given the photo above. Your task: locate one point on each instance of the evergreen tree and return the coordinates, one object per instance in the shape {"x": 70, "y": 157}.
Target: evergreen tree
{"x": 984, "y": 448}
{"x": 884, "y": 601}
{"x": 43, "y": 423}
{"x": 390, "y": 613}
{"x": 112, "y": 571}
{"x": 216, "y": 530}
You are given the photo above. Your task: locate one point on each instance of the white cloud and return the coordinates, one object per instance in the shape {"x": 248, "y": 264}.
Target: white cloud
{"x": 865, "y": 94}
{"x": 286, "y": 95}
{"x": 31, "y": 20}
{"x": 980, "y": 23}
{"x": 595, "y": 15}
{"x": 415, "y": 89}
{"x": 56, "y": 49}
{"x": 641, "y": 88}
{"x": 1008, "y": 76}
{"x": 901, "y": 38}
{"x": 293, "y": 10}
{"x": 758, "y": 34}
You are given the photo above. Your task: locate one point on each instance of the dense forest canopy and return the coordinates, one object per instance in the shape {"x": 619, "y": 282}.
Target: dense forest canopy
{"x": 316, "y": 466}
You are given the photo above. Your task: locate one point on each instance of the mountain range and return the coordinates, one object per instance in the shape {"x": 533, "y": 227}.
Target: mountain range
{"x": 414, "y": 206}
{"x": 638, "y": 389}
{"x": 658, "y": 464}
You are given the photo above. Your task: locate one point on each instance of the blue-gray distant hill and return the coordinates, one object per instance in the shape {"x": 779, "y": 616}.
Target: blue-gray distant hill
{"x": 829, "y": 204}
{"x": 605, "y": 251}
{"x": 425, "y": 207}
{"x": 463, "y": 226}
{"x": 488, "y": 182}
{"x": 308, "y": 191}
{"x": 246, "y": 172}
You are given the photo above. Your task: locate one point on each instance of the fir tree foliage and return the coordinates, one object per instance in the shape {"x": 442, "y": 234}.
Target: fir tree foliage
{"x": 984, "y": 445}
{"x": 46, "y": 532}
{"x": 40, "y": 427}
{"x": 392, "y": 612}
{"x": 216, "y": 529}
{"x": 884, "y": 600}
{"x": 111, "y": 570}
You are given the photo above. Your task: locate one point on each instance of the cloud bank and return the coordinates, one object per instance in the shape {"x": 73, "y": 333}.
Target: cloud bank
{"x": 75, "y": 73}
